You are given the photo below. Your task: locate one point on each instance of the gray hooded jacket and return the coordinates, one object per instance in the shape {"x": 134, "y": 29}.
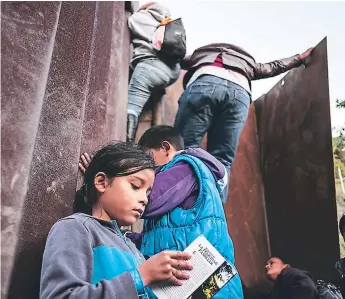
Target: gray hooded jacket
{"x": 143, "y": 25}
{"x": 86, "y": 257}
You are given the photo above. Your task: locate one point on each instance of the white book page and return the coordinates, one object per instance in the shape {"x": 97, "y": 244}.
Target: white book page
{"x": 205, "y": 260}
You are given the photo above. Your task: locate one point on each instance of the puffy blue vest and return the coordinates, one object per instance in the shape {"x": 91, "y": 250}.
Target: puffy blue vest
{"x": 177, "y": 229}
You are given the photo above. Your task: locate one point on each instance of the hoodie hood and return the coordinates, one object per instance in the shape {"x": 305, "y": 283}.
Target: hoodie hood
{"x": 158, "y": 11}
{"x": 217, "y": 168}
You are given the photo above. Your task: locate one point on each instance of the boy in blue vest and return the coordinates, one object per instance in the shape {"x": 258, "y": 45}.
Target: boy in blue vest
{"x": 185, "y": 201}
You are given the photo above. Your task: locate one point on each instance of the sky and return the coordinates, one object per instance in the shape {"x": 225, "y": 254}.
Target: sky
{"x": 270, "y": 30}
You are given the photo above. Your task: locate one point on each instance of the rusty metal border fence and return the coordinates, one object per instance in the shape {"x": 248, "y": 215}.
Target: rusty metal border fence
{"x": 64, "y": 77}
{"x": 64, "y": 91}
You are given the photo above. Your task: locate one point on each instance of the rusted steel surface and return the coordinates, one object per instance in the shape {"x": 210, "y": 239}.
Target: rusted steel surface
{"x": 245, "y": 209}
{"x": 106, "y": 107}
{"x": 296, "y": 149}
{"x": 27, "y": 40}
{"x": 64, "y": 90}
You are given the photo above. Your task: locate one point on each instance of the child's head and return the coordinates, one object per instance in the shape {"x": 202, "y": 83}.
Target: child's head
{"x": 274, "y": 267}
{"x": 163, "y": 141}
{"x": 116, "y": 183}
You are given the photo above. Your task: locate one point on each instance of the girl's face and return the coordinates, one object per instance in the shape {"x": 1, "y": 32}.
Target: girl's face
{"x": 125, "y": 198}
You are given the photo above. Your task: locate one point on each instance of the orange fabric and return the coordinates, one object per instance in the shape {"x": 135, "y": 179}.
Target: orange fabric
{"x": 165, "y": 21}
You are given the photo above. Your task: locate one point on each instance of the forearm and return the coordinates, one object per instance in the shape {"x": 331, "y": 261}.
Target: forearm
{"x": 277, "y": 67}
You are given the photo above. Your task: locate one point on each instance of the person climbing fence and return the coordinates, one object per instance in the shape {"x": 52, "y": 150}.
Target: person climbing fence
{"x": 218, "y": 93}
{"x": 159, "y": 43}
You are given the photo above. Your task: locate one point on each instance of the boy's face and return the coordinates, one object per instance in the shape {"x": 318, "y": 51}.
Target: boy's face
{"x": 274, "y": 267}
{"x": 164, "y": 154}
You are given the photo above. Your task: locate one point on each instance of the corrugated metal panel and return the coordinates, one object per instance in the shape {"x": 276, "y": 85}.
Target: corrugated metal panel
{"x": 246, "y": 211}
{"x": 64, "y": 89}
{"x": 297, "y": 166}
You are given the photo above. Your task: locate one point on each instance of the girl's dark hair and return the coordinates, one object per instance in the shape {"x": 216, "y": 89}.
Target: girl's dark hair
{"x": 115, "y": 159}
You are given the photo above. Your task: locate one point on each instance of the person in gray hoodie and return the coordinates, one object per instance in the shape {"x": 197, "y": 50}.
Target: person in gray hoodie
{"x": 86, "y": 255}
{"x": 152, "y": 71}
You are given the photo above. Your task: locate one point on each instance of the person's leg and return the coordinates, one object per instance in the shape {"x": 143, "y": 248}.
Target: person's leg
{"x": 226, "y": 127}
{"x": 138, "y": 95}
{"x": 196, "y": 108}
{"x": 148, "y": 75}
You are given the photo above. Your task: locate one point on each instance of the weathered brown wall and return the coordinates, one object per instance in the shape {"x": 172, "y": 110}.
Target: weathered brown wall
{"x": 282, "y": 180}
{"x": 246, "y": 209}
{"x": 64, "y": 90}
{"x": 297, "y": 166}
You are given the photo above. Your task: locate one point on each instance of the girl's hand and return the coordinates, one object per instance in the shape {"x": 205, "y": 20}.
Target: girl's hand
{"x": 166, "y": 265}
{"x": 84, "y": 162}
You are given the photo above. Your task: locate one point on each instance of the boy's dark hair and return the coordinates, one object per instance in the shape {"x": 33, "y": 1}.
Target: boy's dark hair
{"x": 115, "y": 159}
{"x": 342, "y": 224}
{"x": 154, "y": 137}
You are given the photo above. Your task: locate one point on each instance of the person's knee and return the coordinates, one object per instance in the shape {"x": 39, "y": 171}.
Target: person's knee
{"x": 163, "y": 75}
{"x": 160, "y": 79}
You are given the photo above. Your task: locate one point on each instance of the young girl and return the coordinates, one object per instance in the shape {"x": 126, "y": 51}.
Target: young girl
{"x": 86, "y": 255}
